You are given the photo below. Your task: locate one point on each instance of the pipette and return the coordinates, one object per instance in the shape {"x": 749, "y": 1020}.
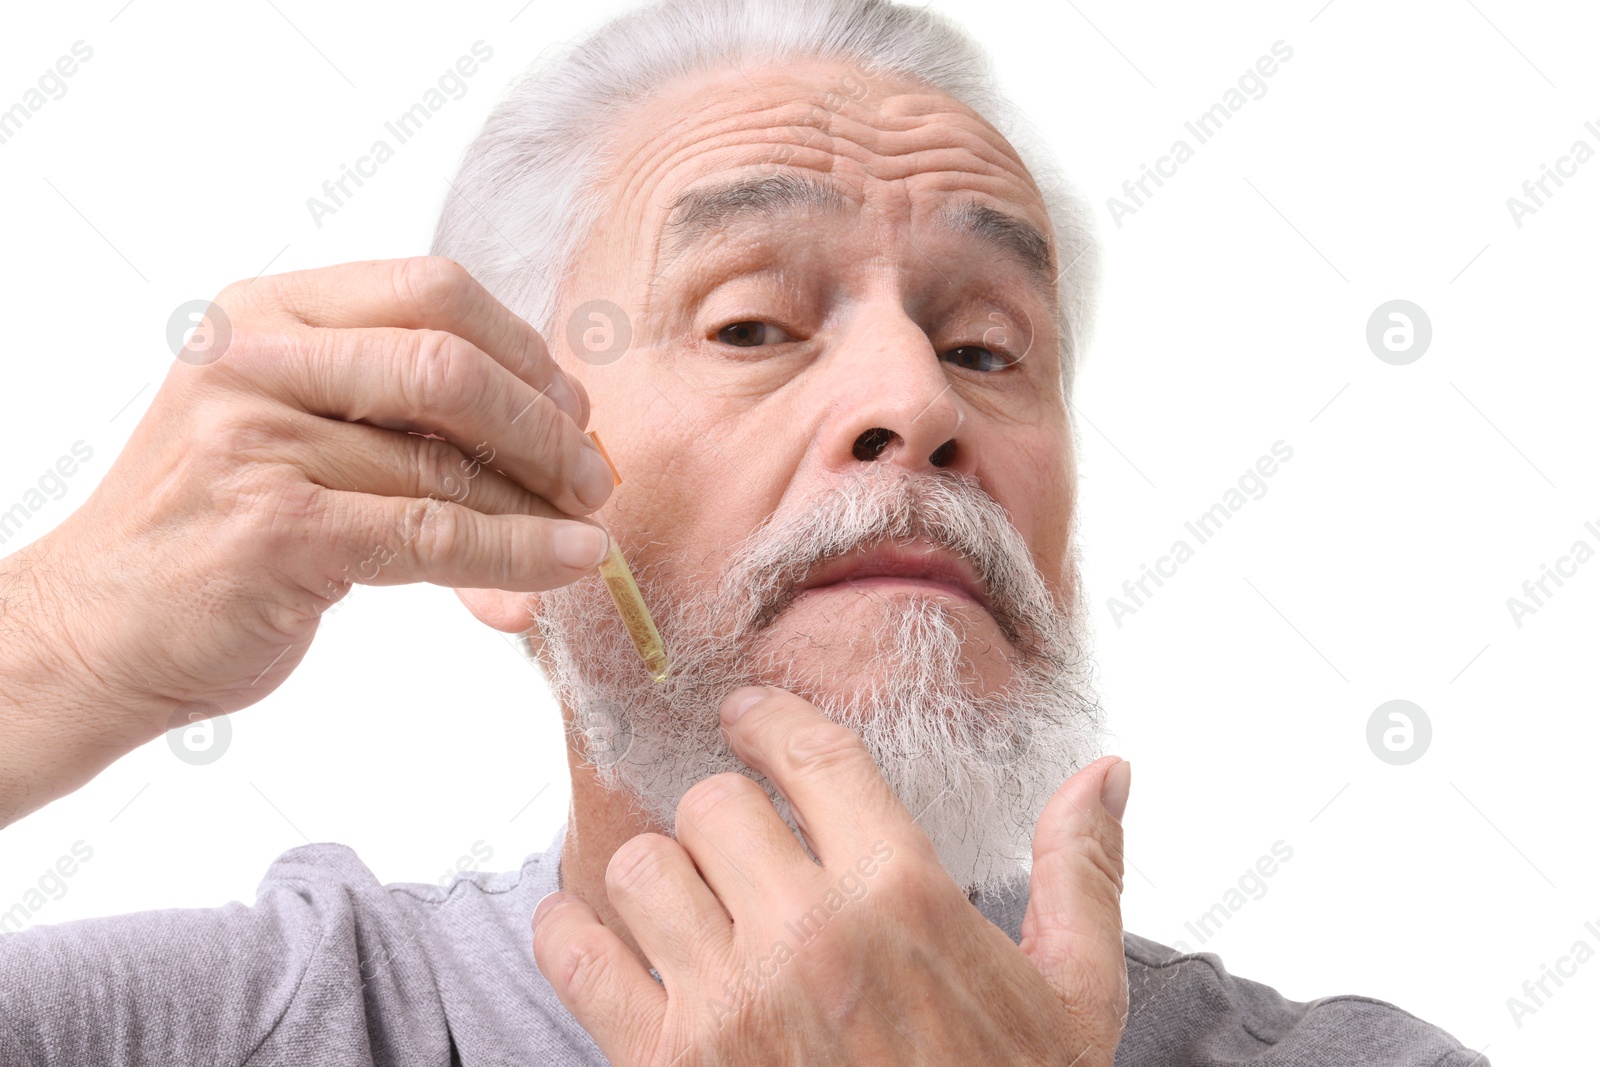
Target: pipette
{"x": 625, "y": 593}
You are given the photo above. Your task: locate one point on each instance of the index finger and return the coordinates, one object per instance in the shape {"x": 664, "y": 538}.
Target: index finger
{"x": 426, "y": 293}
{"x": 839, "y": 798}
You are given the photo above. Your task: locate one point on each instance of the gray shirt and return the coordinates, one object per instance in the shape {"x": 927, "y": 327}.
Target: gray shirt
{"x": 330, "y": 967}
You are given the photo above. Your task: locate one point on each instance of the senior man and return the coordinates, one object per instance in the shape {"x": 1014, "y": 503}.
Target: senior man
{"x": 825, "y": 314}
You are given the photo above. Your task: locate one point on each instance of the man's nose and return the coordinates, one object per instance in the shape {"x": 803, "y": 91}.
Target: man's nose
{"x": 872, "y": 443}
{"x": 895, "y": 403}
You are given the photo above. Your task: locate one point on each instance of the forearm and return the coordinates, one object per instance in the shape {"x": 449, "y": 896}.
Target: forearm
{"x": 61, "y": 723}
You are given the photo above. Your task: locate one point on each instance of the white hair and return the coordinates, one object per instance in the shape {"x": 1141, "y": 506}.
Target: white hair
{"x": 528, "y": 195}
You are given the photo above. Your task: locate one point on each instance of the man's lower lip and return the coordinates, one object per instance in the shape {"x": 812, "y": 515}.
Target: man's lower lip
{"x": 887, "y": 582}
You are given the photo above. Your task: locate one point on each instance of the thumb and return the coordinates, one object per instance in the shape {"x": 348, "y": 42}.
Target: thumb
{"x": 1072, "y": 930}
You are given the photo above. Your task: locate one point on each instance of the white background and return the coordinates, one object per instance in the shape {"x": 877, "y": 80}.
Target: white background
{"x": 1377, "y": 566}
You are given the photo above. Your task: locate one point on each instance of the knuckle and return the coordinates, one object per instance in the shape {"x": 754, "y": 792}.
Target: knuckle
{"x": 581, "y": 962}
{"x": 821, "y": 748}
{"x": 638, "y": 865}
{"x": 437, "y": 470}
{"x": 270, "y": 526}
{"x": 430, "y": 284}
{"x": 300, "y": 507}
{"x": 257, "y": 298}
{"x": 236, "y": 462}
{"x": 233, "y": 434}
{"x": 1101, "y": 853}
{"x": 919, "y": 891}
{"x": 256, "y": 346}
{"x": 433, "y": 529}
{"x": 547, "y": 434}
{"x": 441, "y": 376}
{"x": 277, "y": 294}
{"x": 1089, "y": 861}
{"x": 706, "y": 795}
{"x": 234, "y": 295}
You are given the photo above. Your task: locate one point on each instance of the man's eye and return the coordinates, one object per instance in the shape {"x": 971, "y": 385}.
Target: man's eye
{"x": 976, "y": 357}
{"x": 751, "y": 333}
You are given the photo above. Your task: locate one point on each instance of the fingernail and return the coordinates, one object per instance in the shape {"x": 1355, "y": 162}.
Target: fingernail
{"x": 562, "y": 393}
{"x": 546, "y": 902}
{"x": 739, "y": 701}
{"x": 593, "y": 481}
{"x": 1114, "y": 789}
{"x": 594, "y": 435}
{"x": 579, "y": 545}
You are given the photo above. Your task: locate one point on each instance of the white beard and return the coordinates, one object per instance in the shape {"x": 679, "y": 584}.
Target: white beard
{"x": 973, "y": 767}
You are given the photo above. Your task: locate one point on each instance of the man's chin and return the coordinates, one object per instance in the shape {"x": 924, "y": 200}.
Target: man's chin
{"x": 842, "y": 643}
{"x": 970, "y": 732}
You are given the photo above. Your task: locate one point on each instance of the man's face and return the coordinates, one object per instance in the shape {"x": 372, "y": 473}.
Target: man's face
{"x": 839, "y": 290}
{"x": 763, "y": 350}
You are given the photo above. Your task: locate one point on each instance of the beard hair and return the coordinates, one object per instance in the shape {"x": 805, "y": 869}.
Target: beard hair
{"x": 974, "y": 767}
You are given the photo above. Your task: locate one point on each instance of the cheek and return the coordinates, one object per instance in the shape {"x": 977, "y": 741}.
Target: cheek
{"x": 699, "y": 472}
{"x": 1038, "y": 487}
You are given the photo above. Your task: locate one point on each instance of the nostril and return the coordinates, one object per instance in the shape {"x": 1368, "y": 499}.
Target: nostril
{"x": 944, "y": 455}
{"x": 870, "y": 445}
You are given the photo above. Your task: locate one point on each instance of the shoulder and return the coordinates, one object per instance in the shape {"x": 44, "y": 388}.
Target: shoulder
{"x": 1185, "y": 1007}
{"x": 332, "y": 887}
{"x": 326, "y": 954}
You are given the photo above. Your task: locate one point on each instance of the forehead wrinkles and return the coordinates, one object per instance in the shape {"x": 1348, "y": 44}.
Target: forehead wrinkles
{"x": 925, "y": 140}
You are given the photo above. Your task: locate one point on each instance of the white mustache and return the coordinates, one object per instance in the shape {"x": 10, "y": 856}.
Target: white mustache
{"x": 948, "y": 509}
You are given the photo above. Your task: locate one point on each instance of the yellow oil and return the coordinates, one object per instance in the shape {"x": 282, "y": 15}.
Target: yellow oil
{"x": 625, "y": 594}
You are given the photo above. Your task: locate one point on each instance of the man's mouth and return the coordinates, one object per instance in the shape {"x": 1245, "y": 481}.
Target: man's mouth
{"x": 920, "y": 565}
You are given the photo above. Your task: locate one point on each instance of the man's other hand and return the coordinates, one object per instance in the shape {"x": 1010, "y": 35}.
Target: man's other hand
{"x": 869, "y": 953}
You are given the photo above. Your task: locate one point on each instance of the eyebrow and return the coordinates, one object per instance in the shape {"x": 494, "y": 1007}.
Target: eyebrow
{"x": 698, "y": 213}
{"x": 1006, "y": 234}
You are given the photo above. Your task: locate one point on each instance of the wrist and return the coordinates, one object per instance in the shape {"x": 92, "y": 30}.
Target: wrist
{"x": 73, "y": 621}
{"x": 63, "y": 715}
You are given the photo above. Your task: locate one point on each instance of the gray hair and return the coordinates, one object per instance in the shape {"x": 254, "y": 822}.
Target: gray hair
{"x": 528, "y": 196}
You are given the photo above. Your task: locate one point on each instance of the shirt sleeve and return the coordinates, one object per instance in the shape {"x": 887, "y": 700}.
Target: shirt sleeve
{"x": 323, "y": 968}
